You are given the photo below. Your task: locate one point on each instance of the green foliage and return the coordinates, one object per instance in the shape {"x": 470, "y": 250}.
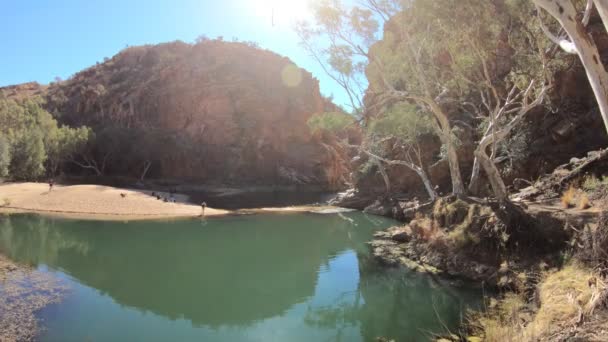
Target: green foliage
{"x": 28, "y": 154}
{"x": 31, "y": 140}
{"x": 332, "y": 122}
{"x": 403, "y": 121}
{"x": 592, "y": 183}
{"x": 424, "y": 58}
{"x": 5, "y": 156}
{"x": 66, "y": 143}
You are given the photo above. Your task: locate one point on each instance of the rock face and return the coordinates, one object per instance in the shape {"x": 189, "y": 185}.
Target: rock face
{"x": 549, "y": 138}
{"x": 213, "y": 111}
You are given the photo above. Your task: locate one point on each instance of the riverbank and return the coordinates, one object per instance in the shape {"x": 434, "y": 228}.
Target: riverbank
{"x": 96, "y": 202}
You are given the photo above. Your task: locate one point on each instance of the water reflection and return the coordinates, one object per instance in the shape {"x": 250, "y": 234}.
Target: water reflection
{"x": 241, "y": 272}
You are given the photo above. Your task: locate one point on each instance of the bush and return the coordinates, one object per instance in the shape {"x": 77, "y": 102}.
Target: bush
{"x": 31, "y": 140}
{"x": 568, "y": 197}
{"x": 583, "y": 202}
{"x": 332, "y": 122}
{"x": 5, "y": 156}
{"x": 592, "y": 183}
{"x": 6, "y": 202}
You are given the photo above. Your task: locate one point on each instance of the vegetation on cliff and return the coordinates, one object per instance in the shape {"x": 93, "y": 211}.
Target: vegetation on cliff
{"x": 455, "y": 97}
{"x": 32, "y": 143}
{"x": 213, "y": 112}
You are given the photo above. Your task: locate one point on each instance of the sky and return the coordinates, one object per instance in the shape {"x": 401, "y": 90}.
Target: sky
{"x": 45, "y": 39}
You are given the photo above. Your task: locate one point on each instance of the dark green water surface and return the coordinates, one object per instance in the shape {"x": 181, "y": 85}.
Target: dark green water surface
{"x": 292, "y": 277}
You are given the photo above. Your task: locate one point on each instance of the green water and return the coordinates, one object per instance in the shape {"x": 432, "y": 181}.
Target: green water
{"x": 296, "y": 277}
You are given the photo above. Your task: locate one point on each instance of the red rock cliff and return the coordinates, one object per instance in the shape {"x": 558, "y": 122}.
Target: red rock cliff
{"x": 223, "y": 112}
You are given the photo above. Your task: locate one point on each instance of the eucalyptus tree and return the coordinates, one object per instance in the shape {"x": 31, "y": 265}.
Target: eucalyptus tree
{"x": 5, "y": 156}
{"x": 339, "y": 39}
{"x": 500, "y": 62}
{"x": 352, "y": 58}
{"x": 402, "y": 127}
{"x": 579, "y": 41}
{"x": 433, "y": 56}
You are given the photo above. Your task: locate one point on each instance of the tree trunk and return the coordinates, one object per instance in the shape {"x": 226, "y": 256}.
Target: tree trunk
{"x": 475, "y": 178}
{"x": 498, "y": 185}
{"x": 445, "y": 135}
{"x": 427, "y": 183}
{"x": 564, "y": 12}
{"x": 428, "y": 186}
{"x": 457, "y": 184}
{"x": 382, "y": 170}
{"x": 147, "y": 165}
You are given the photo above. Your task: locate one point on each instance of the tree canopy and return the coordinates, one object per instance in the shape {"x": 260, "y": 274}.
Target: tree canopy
{"x": 32, "y": 144}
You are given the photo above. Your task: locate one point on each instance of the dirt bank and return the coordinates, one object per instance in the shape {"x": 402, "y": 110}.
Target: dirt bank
{"x": 96, "y": 202}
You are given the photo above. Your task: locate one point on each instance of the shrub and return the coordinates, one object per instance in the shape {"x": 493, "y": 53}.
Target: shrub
{"x": 450, "y": 213}
{"x": 583, "y": 202}
{"x": 591, "y": 183}
{"x": 424, "y": 228}
{"x": 568, "y": 197}
{"x": 6, "y": 202}
{"x": 334, "y": 122}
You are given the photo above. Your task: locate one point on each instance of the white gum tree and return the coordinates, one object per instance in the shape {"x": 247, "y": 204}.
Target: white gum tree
{"x": 579, "y": 41}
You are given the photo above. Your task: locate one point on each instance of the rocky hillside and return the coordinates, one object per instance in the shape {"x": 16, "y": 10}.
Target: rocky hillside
{"x": 550, "y": 136}
{"x": 214, "y": 111}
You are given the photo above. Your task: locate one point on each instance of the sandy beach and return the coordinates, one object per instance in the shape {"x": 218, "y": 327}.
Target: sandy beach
{"x": 95, "y": 202}
{"x": 99, "y": 202}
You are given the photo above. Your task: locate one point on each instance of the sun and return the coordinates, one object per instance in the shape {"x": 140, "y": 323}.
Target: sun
{"x": 282, "y": 13}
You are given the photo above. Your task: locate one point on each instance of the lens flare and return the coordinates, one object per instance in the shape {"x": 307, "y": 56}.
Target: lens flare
{"x": 291, "y": 75}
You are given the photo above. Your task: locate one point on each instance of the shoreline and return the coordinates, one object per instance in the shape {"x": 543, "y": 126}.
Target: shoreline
{"x": 106, "y": 203}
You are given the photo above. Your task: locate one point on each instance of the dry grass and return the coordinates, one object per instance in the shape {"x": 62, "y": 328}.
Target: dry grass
{"x": 562, "y": 295}
{"x": 502, "y": 322}
{"x": 467, "y": 232}
{"x": 567, "y": 198}
{"x": 424, "y": 228}
{"x": 565, "y": 296}
{"x": 583, "y": 202}
{"x": 574, "y": 197}
{"x": 450, "y": 213}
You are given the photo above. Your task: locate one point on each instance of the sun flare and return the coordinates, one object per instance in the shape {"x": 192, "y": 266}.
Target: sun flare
{"x": 281, "y": 13}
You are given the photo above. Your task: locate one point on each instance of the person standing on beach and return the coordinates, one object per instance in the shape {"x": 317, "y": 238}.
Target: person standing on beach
{"x": 203, "y": 206}
{"x": 51, "y": 183}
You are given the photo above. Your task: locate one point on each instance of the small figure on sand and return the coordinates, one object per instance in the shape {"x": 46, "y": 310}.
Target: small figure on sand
{"x": 51, "y": 183}
{"x": 123, "y": 195}
{"x": 203, "y": 206}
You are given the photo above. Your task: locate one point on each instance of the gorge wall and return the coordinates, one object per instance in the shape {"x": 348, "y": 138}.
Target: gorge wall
{"x": 550, "y": 136}
{"x": 212, "y": 112}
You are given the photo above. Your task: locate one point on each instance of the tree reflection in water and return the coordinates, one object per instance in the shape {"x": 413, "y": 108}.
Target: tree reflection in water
{"x": 240, "y": 271}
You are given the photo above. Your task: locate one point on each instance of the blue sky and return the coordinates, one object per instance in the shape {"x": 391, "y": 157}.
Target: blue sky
{"x": 44, "y": 39}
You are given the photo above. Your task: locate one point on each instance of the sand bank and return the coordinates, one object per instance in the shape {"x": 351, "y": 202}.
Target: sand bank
{"x": 95, "y": 202}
